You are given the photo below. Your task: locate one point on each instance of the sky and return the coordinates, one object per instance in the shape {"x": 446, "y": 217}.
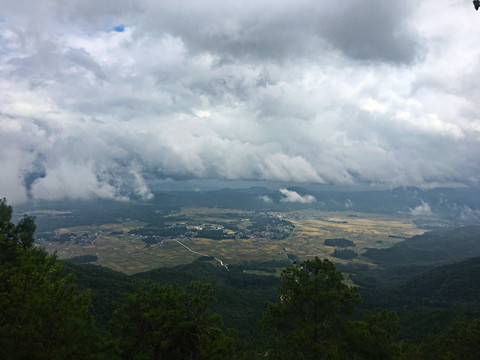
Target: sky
{"x": 103, "y": 98}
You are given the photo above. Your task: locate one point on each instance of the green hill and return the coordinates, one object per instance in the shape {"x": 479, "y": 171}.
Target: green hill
{"x": 240, "y": 297}
{"x": 432, "y": 248}
{"x": 452, "y": 285}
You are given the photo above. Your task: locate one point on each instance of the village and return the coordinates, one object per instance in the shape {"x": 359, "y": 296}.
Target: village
{"x": 261, "y": 226}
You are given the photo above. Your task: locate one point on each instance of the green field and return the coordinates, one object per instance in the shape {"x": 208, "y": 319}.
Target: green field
{"x": 126, "y": 253}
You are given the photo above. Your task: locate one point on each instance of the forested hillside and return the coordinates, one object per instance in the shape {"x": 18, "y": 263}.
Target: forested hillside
{"x": 432, "y": 248}
{"x": 55, "y": 310}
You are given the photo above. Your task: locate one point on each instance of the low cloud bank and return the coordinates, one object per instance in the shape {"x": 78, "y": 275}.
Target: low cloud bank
{"x": 422, "y": 210}
{"x": 294, "y": 197}
{"x": 266, "y": 199}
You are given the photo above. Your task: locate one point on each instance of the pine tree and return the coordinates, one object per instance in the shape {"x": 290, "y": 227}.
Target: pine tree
{"x": 42, "y": 314}
{"x": 311, "y": 319}
{"x": 171, "y": 322}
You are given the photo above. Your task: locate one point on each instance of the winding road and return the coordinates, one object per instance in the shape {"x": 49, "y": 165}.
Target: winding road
{"x": 201, "y": 254}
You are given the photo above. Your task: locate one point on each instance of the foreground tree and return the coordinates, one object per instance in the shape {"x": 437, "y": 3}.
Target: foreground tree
{"x": 459, "y": 341}
{"x": 309, "y": 321}
{"x": 171, "y": 322}
{"x": 371, "y": 337}
{"x": 42, "y": 314}
{"x": 13, "y": 237}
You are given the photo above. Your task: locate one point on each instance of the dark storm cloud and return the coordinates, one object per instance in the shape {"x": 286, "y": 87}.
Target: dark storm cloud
{"x": 374, "y": 30}
{"x": 37, "y": 172}
{"x": 363, "y": 30}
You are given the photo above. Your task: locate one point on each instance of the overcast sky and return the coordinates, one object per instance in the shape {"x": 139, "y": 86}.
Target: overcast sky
{"x": 98, "y": 98}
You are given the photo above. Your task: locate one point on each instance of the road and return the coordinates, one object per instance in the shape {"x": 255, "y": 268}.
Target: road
{"x": 201, "y": 254}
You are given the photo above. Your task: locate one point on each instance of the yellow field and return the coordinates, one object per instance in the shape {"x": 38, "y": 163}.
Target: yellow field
{"x": 130, "y": 255}
{"x": 365, "y": 230}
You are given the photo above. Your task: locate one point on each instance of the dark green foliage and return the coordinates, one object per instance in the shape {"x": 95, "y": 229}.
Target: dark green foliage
{"x": 437, "y": 296}
{"x": 205, "y": 258}
{"x": 307, "y": 322}
{"x": 264, "y": 266}
{"x": 42, "y": 314}
{"x": 345, "y": 254}
{"x": 240, "y": 297}
{"x": 311, "y": 320}
{"x": 431, "y": 248}
{"x": 211, "y": 234}
{"x": 13, "y": 237}
{"x": 422, "y": 296}
{"x": 107, "y": 289}
{"x": 372, "y": 336}
{"x": 292, "y": 257}
{"x": 459, "y": 341}
{"x": 454, "y": 284}
{"x": 240, "y": 300}
{"x": 164, "y": 231}
{"x": 171, "y": 322}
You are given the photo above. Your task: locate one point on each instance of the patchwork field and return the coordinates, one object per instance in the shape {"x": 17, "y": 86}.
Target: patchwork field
{"x": 365, "y": 230}
{"x": 115, "y": 248}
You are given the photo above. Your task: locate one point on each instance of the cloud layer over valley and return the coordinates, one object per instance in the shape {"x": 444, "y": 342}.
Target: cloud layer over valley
{"x": 100, "y": 98}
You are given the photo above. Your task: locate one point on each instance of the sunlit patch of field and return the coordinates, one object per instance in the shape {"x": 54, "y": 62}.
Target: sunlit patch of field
{"x": 236, "y": 250}
{"x": 88, "y": 229}
{"x": 133, "y": 256}
{"x": 365, "y": 230}
{"x": 208, "y": 215}
{"x": 126, "y": 253}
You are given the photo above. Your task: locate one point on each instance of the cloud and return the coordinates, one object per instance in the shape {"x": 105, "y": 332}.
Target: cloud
{"x": 374, "y": 30}
{"x": 469, "y": 215}
{"x": 294, "y": 91}
{"x": 140, "y": 187}
{"x": 421, "y": 210}
{"x": 72, "y": 181}
{"x": 362, "y": 30}
{"x": 266, "y": 199}
{"x": 294, "y": 197}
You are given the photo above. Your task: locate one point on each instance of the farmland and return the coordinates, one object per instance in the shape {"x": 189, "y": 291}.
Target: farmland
{"x": 245, "y": 236}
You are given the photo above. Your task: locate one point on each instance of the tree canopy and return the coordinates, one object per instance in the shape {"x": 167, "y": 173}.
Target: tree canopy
{"x": 171, "y": 322}
{"x": 42, "y": 314}
{"x": 14, "y": 237}
{"x": 311, "y": 319}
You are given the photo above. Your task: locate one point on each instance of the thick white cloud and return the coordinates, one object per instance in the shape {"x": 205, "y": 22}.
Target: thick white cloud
{"x": 422, "y": 210}
{"x": 294, "y": 197}
{"x": 99, "y": 97}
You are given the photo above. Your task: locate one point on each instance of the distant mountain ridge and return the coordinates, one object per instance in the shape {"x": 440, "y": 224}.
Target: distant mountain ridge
{"x": 456, "y": 205}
